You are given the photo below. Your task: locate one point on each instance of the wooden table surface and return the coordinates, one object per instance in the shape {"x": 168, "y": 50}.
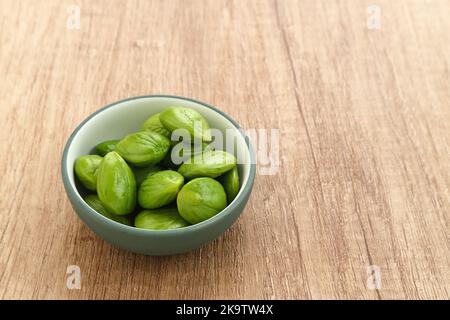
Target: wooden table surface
{"x": 360, "y": 96}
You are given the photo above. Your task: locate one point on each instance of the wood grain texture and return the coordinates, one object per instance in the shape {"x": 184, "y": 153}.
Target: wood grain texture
{"x": 364, "y": 156}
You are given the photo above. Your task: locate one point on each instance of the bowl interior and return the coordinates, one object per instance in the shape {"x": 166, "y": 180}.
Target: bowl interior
{"x": 124, "y": 117}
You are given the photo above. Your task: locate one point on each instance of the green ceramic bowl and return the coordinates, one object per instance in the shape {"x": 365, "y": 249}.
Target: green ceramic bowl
{"x": 120, "y": 118}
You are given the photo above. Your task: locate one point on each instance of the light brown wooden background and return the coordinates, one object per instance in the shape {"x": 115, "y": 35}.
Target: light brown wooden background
{"x": 364, "y": 124}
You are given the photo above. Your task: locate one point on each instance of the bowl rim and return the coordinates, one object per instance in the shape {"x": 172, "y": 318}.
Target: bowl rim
{"x": 76, "y": 197}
